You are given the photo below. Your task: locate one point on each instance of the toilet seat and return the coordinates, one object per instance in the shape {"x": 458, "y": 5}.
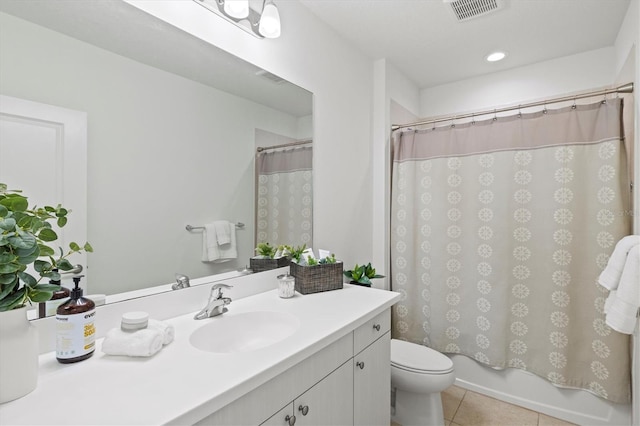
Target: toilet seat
{"x": 418, "y": 359}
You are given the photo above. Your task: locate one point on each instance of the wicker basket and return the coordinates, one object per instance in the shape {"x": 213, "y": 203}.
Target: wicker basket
{"x": 317, "y": 278}
{"x": 260, "y": 265}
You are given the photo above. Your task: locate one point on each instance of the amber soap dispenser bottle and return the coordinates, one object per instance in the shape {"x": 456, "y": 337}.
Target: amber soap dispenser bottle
{"x": 75, "y": 330}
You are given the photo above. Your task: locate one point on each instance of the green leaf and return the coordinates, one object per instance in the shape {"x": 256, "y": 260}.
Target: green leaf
{"x": 13, "y": 300}
{"x": 4, "y": 212}
{"x": 8, "y": 279}
{"x": 46, "y": 250}
{"x": 18, "y": 203}
{"x": 47, "y": 235}
{"x": 88, "y": 248}
{"x": 28, "y": 279}
{"x": 64, "y": 265}
{"x": 62, "y": 221}
{"x": 9, "y": 286}
{"x": 39, "y": 296}
{"x": 8, "y": 224}
{"x": 74, "y": 246}
{"x": 7, "y": 257}
{"x": 9, "y": 268}
{"x": 42, "y": 265}
{"x": 47, "y": 287}
{"x": 22, "y": 240}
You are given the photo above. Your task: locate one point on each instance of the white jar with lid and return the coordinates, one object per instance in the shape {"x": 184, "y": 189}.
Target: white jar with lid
{"x": 286, "y": 286}
{"x": 134, "y": 321}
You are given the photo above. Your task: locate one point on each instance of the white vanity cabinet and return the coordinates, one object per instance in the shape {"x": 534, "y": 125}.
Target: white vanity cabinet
{"x": 346, "y": 383}
{"x": 372, "y": 372}
{"x": 330, "y": 402}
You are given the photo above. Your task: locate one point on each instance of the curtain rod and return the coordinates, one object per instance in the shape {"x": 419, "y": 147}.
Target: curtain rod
{"x": 626, "y": 88}
{"x": 284, "y": 145}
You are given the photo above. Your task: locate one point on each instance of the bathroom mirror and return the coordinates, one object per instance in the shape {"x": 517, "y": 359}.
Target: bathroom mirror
{"x": 171, "y": 130}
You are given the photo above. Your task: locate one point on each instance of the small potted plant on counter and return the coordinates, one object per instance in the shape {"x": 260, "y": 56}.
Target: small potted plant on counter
{"x": 269, "y": 257}
{"x": 362, "y": 274}
{"x": 24, "y": 237}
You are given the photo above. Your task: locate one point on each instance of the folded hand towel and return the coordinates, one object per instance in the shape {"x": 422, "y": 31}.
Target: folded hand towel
{"x": 212, "y": 251}
{"x": 621, "y": 311}
{"x": 223, "y": 231}
{"x": 167, "y": 330}
{"x": 141, "y": 343}
{"x": 610, "y": 276}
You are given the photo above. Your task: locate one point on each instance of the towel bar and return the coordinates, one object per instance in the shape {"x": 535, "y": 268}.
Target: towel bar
{"x": 190, "y": 228}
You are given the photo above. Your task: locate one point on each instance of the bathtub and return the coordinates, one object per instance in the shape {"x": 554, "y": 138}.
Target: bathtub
{"x": 527, "y": 390}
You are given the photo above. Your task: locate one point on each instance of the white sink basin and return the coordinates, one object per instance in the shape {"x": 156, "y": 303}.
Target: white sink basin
{"x": 244, "y": 332}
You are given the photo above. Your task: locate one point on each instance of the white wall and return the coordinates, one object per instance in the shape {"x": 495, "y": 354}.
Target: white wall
{"x": 157, "y": 158}
{"x": 588, "y": 70}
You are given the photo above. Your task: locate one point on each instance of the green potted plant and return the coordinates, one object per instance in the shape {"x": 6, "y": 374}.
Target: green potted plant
{"x": 25, "y": 238}
{"x": 362, "y": 274}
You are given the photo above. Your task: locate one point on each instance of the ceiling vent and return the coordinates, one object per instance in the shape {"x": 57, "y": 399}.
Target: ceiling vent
{"x": 269, "y": 76}
{"x": 469, "y": 9}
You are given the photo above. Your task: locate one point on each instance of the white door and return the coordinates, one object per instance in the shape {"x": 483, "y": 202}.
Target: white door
{"x": 43, "y": 151}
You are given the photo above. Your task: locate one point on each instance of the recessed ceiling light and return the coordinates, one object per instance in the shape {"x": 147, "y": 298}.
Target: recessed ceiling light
{"x": 495, "y": 56}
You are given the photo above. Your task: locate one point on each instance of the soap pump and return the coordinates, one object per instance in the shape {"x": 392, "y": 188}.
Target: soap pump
{"x": 75, "y": 330}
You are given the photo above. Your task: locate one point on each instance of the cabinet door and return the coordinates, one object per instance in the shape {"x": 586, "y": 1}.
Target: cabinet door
{"x": 372, "y": 384}
{"x": 284, "y": 417}
{"x": 329, "y": 402}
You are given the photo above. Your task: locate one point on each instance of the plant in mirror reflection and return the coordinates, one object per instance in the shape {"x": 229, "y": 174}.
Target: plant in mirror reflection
{"x": 24, "y": 241}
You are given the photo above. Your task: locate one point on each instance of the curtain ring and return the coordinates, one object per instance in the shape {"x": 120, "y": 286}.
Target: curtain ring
{"x": 433, "y": 125}
{"x": 544, "y": 111}
{"x": 574, "y": 106}
{"x": 453, "y": 125}
{"x": 473, "y": 119}
{"x": 604, "y": 97}
{"x": 519, "y": 112}
{"x": 495, "y": 117}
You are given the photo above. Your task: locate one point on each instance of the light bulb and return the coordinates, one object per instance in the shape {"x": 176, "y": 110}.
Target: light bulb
{"x": 270, "y": 21}
{"x": 496, "y": 56}
{"x": 238, "y": 9}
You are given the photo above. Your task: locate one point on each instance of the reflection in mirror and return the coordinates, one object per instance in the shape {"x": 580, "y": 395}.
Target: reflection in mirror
{"x": 283, "y": 191}
{"x": 171, "y": 131}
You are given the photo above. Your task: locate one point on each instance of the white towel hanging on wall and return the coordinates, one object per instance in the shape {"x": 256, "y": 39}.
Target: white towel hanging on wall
{"x": 212, "y": 249}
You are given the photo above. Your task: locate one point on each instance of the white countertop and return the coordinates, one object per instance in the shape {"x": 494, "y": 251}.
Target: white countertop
{"x": 182, "y": 384}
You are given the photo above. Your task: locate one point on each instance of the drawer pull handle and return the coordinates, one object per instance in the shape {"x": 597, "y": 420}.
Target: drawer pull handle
{"x": 304, "y": 409}
{"x": 291, "y": 420}
{"x": 376, "y": 327}
{"x": 360, "y": 364}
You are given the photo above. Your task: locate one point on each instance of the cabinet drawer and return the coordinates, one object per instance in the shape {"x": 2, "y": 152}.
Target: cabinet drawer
{"x": 369, "y": 332}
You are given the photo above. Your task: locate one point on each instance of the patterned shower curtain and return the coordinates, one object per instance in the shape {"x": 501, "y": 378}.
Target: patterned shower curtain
{"x": 284, "y": 196}
{"x": 499, "y": 232}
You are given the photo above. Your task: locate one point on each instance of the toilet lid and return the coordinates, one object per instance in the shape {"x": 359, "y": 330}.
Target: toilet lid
{"x": 418, "y": 358}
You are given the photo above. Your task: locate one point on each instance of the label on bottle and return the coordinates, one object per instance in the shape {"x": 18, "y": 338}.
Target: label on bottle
{"x": 75, "y": 334}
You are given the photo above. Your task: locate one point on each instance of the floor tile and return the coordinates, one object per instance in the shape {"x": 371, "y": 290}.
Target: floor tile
{"x": 451, "y": 399}
{"x": 480, "y": 410}
{"x": 545, "y": 420}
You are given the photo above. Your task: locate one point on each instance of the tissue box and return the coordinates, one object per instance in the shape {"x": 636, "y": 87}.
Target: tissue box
{"x": 259, "y": 265}
{"x": 317, "y": 278}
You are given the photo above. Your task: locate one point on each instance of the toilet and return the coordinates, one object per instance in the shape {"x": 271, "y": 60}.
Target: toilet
{"x": 418, "y": 375}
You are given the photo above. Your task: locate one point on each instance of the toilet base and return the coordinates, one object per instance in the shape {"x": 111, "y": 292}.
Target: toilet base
{"x": 413, "y": 409}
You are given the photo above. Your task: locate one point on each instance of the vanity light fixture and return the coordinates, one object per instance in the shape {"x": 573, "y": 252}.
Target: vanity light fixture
{"x": 244, "y": 14}
{"x": 495, "y": 56}
{"x": 238, "y": 9}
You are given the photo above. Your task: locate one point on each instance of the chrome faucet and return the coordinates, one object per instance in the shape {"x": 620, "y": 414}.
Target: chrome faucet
{"x": 182, "y": 281}
{"x": 216, "y": 304}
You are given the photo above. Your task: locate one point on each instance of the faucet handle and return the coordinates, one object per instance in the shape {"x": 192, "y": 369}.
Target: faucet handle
{"x": 219, "y": 287}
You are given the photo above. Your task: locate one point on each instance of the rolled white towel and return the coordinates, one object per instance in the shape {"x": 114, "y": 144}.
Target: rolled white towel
{"x": 167, "y": 330}
{"x": 621, "y": 311}
{"x": 610, "y": 276}
{"x": 142, "y": 343}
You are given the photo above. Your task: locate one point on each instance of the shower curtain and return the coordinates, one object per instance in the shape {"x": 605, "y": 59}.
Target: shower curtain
{"x": 499, "y": 231}
{"x": 284, "y": 196}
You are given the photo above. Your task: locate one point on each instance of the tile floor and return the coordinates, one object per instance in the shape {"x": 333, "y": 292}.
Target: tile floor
{"x": 466, "y": 408}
